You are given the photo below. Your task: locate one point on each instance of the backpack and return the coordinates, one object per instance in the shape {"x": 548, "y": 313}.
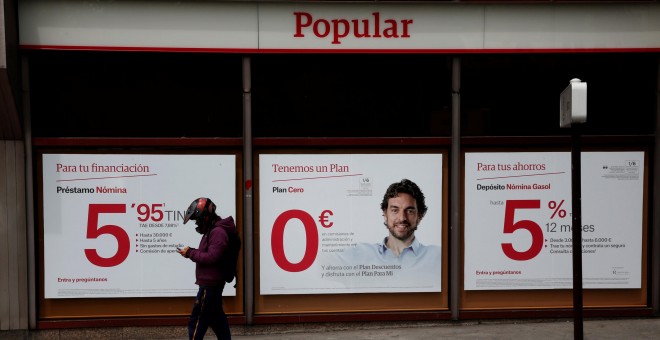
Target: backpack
{"x": 230, "y": 263}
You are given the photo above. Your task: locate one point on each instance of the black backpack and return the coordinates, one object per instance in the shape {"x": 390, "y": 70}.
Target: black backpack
{"x": 230, "y": 264}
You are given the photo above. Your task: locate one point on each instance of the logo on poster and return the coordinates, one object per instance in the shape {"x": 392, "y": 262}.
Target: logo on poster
{"x": 620, "y": 271}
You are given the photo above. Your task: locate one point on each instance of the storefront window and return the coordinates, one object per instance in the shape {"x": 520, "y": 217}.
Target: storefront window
{"x": 351, "y": 95}
{"x": 518, "y": 95}
{"x": 106, "y": 94}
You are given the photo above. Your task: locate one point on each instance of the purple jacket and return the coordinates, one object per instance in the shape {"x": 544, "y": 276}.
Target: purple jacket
{"x": 210, "y": 252}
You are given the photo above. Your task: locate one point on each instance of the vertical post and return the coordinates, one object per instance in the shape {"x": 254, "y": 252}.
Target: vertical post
{"x": 576, "y": 188}
{"x": 572, "y": 112}
{"x": 29, "y": 196}
{"x": 248, "y": 228}
{"x": 655, "y": 227}
{"x": 455, "y": 222}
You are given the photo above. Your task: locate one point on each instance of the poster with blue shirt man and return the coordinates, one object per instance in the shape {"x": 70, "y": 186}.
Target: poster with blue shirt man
{"x": 400, "y": 258}
{"x": 350, "y": 223}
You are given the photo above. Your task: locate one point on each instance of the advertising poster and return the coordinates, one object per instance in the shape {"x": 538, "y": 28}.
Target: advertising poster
{"x": 518, "y": 225}
{"x": 322, "y": 230}
{"x": 112, "y": 223}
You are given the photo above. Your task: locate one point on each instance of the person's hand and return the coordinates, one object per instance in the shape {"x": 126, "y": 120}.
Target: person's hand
{"x": 183, "y": 251}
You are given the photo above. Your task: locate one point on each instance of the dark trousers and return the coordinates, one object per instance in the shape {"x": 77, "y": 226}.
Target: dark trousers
{"x": 208, "y": 312}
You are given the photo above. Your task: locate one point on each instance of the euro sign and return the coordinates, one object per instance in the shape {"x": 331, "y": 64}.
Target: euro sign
{"x": 323, "y": 219}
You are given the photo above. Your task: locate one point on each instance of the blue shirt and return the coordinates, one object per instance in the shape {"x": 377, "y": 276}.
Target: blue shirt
{"x": 372, "y": 267}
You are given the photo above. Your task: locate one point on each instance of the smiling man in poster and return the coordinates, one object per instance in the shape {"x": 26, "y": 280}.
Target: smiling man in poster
{"x": 400, "y": 256}
{"x": 329, "y": 236}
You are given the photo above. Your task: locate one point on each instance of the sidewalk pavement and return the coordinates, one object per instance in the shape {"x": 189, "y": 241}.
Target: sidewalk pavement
{"x": 533, "y": 329}
{"x": 647, "y": 328}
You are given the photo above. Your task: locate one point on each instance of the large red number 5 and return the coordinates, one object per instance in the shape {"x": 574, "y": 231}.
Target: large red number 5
{"x": 123, "y": 242}
{"x": 531, "y": 226}
{"x": 311, "y": 238}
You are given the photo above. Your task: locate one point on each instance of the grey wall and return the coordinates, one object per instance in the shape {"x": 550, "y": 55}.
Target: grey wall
{"x": 13, "y": 237}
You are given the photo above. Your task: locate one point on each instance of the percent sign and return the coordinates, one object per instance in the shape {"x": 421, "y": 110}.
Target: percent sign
{"x": 556, "y": 209}
{"x": 311, "y": 238}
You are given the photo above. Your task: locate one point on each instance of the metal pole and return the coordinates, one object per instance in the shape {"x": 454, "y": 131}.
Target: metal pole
{"x": 655, "y": 226}
{"x": 29, "y": 198}
{"x": 455, "y": 222}
{"x": 248, "y": 229}
{"x": 576, "y": 188}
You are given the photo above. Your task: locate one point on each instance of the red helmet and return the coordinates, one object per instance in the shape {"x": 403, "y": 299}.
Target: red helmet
{"x": 200, "y": 208}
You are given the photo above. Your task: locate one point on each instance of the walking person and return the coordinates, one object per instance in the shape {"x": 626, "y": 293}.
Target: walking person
{"x": 208, "y": 257}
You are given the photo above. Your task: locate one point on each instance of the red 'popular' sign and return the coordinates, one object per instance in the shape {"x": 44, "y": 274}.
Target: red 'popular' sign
{"x": 337, "y": 28}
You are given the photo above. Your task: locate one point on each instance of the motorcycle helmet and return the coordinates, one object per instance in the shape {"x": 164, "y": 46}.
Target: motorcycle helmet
{"x": 200, "y": 208}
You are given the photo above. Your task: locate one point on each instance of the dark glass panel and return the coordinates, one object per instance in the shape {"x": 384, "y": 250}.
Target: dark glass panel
{"x": 518, "y": 95}
{"x": 351, "y": 95}
{"x": 126, "y": 94}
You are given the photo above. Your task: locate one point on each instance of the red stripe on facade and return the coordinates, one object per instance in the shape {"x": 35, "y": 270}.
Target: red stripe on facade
{"x": 339, "y": 51}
